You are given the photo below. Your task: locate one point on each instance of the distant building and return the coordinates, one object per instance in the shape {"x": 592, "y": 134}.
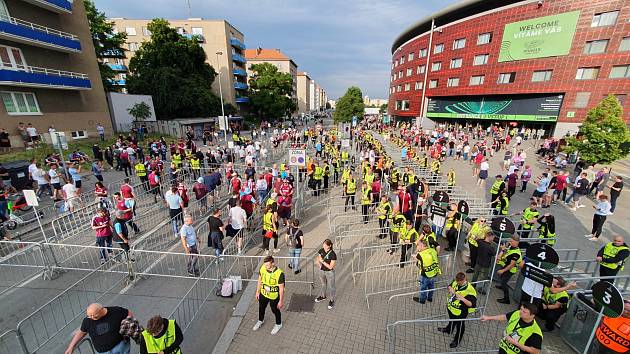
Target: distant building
{"x": 303, "y": 92}
{"x": 49, "y": 74}
{"x": 275, "y": 57}
{"x": 214, "y": 36}
{"x": 377, "y": 102}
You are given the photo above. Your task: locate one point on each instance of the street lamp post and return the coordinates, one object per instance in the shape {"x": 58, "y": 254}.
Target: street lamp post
{"x": 221, "y": 96}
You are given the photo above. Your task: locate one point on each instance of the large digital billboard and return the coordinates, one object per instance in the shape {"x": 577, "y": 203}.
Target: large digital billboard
{"x": 539, "y": 37}
{"x": 534, "y": 108}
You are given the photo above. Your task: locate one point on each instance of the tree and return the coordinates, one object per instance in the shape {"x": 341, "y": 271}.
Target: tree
{"x": 383, "y": 109}
{"x": 349, "y": 105}
{"x": 270, "y": 92}
{"x": 174, "y": 71}
{"x": 140, "y": 111}
{"x": 604, "y": 136}
{"x": 105, "y": 41}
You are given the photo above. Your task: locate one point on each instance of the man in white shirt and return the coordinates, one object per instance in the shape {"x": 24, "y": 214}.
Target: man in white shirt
{"x": 70, "y": 196}
{"x": 32, "y": 168}
{"x": 237, "y": 219}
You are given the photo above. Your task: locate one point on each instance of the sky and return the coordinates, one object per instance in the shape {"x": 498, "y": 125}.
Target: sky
{"x": 339, "y": 43}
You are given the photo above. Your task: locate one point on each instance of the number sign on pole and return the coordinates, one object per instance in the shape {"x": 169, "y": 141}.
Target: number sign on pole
{"x": 608, "y": 297}
{"x": 543, "y": 254}
{"x": 463, "y": 208}
{"x": 502, "y": 226}
{"x": 440, "y": 197}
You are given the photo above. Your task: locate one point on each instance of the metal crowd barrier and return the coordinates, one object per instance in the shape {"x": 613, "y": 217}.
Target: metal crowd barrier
{"x": 365, "y": 257}
{"x": 346, "y": 241}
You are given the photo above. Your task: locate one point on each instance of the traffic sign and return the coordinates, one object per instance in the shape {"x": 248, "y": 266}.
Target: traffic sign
{"x": 463, "y": 208}
{"x": 544, "y": 254}
{"x": 608, "y": 296}
{"x": 297, "y": 157}
{"x": 503, "y": 226}
{"x": 440, "y": 197}
{"x": 537, "y": 274}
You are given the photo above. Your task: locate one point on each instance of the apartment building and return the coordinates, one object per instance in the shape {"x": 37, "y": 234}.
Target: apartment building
{"x": 303, "y": 92}
{"x": 223, "y": 43}
{"x": 275, "y": 57}
{"x": 49, "y": 75}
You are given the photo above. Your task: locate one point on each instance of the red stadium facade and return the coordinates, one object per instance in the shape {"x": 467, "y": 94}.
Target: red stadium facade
{"x": 520, "y": 63}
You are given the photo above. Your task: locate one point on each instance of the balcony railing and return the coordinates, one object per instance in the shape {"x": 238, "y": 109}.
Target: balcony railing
{"x": 58, "y": 6}
{"x": 113, "y": 53}
{"x": 237, "y": 44}
{"x": 117, "y": 67}
{"x": 118, "y": 82}
{"x": 33, "y": 76}
{"x": 238, "y": 58}
{"x": 239, "y": 72}
{"x": 196, "y": 37}
{"x": 240, "y": 86}
{"x": 22, "y": 31}
{"x": 242, "y": 99}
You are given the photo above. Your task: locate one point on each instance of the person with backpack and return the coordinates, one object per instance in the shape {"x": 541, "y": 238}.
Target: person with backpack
{"x": 126, "y": 205}
{"x": 121, "y": 232}
{"x": 154, "y": 184}
{"x": 295, "y": 242}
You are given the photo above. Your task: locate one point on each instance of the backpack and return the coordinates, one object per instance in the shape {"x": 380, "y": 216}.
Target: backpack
{"x": 226, "y": 288}
{"x": 293, "y": 240}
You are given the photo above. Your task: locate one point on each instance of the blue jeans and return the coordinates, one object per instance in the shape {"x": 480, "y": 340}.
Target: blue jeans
{"x": 465, "y": 156}
{"x": 295, "y": 261}
{"x": 105, "y": 241}
{"x": 426, "y": 284}
{"x": 262, "y": 194}
{"x": 121, "y": 348}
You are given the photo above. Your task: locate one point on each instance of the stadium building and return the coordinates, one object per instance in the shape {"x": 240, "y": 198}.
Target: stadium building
{"x": 535, "y": 63}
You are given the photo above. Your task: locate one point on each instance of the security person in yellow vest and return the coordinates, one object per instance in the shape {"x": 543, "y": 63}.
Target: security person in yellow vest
{"x": 384, "y": 210}
{"x": 522, "y": 334}
{"x": 318, "y": 176}
{"x": 326, "y": 175}
{"x": 235, "y": 138}
{"x": 270, "y": 290}
{"x": 509, "y": 258}
{"x": 141, "y": 172}
{"x": 177, "y": 160}
{"x": 394, "y": 178}
{"x": 344, "y": 175}
{"x": 555, "y": 302}
{"x": 398, "y": 225}
{"x": 366, "y": 200}
{"x": 270, "y": 227}
{"x": 337, "y": 169}
{"x": 349, "y": 190}
{"x": 497, "y": 187}
{"x": 407, "y": 238}
{"x": 428, "y": 236}
{"x": 612, "y": 257}
{"x": 429, "y": 265}
{"x": 345, "y": 157}
{"x": 369, "y": 176}
{"x": 436, "y": 166}
{"x": 161, "y": 336}
{"x": 528, "y": 219}
{"x": 501, "y": 204}
{"x": 462, "y": 300}
{"x": 477, "y": 232}
{"x": 452, "y": 226}
{"x": 195, "y": 165}
{"x": 547, "y": 229}
{"x": 450, "y": 179}
{"x": 424, "y": 162}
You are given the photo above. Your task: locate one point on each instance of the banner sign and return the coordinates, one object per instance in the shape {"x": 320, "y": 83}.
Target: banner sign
{"x": 534, "y": 108}
{"x": 539, "y": 37}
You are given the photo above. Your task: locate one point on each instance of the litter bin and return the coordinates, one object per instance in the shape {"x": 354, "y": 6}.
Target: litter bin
{"x": 18, "y": 171}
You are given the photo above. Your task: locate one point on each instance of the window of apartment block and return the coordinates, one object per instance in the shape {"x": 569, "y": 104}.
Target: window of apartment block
{"x": 396, "y": 63}
{"x": 604, "y": 19}
{"x": 481, "y": 59}
{"x": 180, "y": 30}
{"x": 79, "y": 134}
{"x": 398, "y": 88}
{"x": 587, "y": 73}
{"x": 409, "y": 71}
{"x": 418, "y": 85}
{"x": 20, "y": 103}
{"x": 596, "y": 47}
{"x": 197, "y": 30}
{"x": 476, "y": 80}
{"x": 484, "y": 38}
{"x": 624, "y": 46}
{"x": 436, "y": 66}
{"x": 439, "y": 48}
{"x": 131, "y": 31}
{"x": 133, "y": 46}
{"x": 581, "y": 99}
{"x": 506, "y": 78}
{"x": 422, "y": 53}
{"x": 404, "y": 105}
{"x": 433, "y": 83}
{"x": 456, "y": 63}
{"x": 541, "y": 75}
{"x": 398, "y": 105}
{"x": 453, "y": 82}
{"x": 620, "y": 72}
{"x": 421, "y": 69}
{"x": 145, "y": 31}
{"x": 459, "y": 43}
{"x": 12, "y": 58}
{"x": 402, "y": 60}
{"x": 407, "y": 87}
{"x": 410, "y": 56}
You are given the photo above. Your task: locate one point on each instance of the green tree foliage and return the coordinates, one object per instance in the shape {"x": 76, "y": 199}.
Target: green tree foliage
{"x": 604, "y": 136}
{"x": 174, "y": 71}
{"x": 270, "y": 92}
{"x": 140, "y": 111}
{"x": 383, "y": 109}
{"x": 349, "y": 105}
{"x": 105, "y": 40}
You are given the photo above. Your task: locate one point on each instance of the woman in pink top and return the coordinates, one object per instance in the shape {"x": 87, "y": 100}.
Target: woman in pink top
{"x": 525, "y": 177}
{"x": 101, "y": 224}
